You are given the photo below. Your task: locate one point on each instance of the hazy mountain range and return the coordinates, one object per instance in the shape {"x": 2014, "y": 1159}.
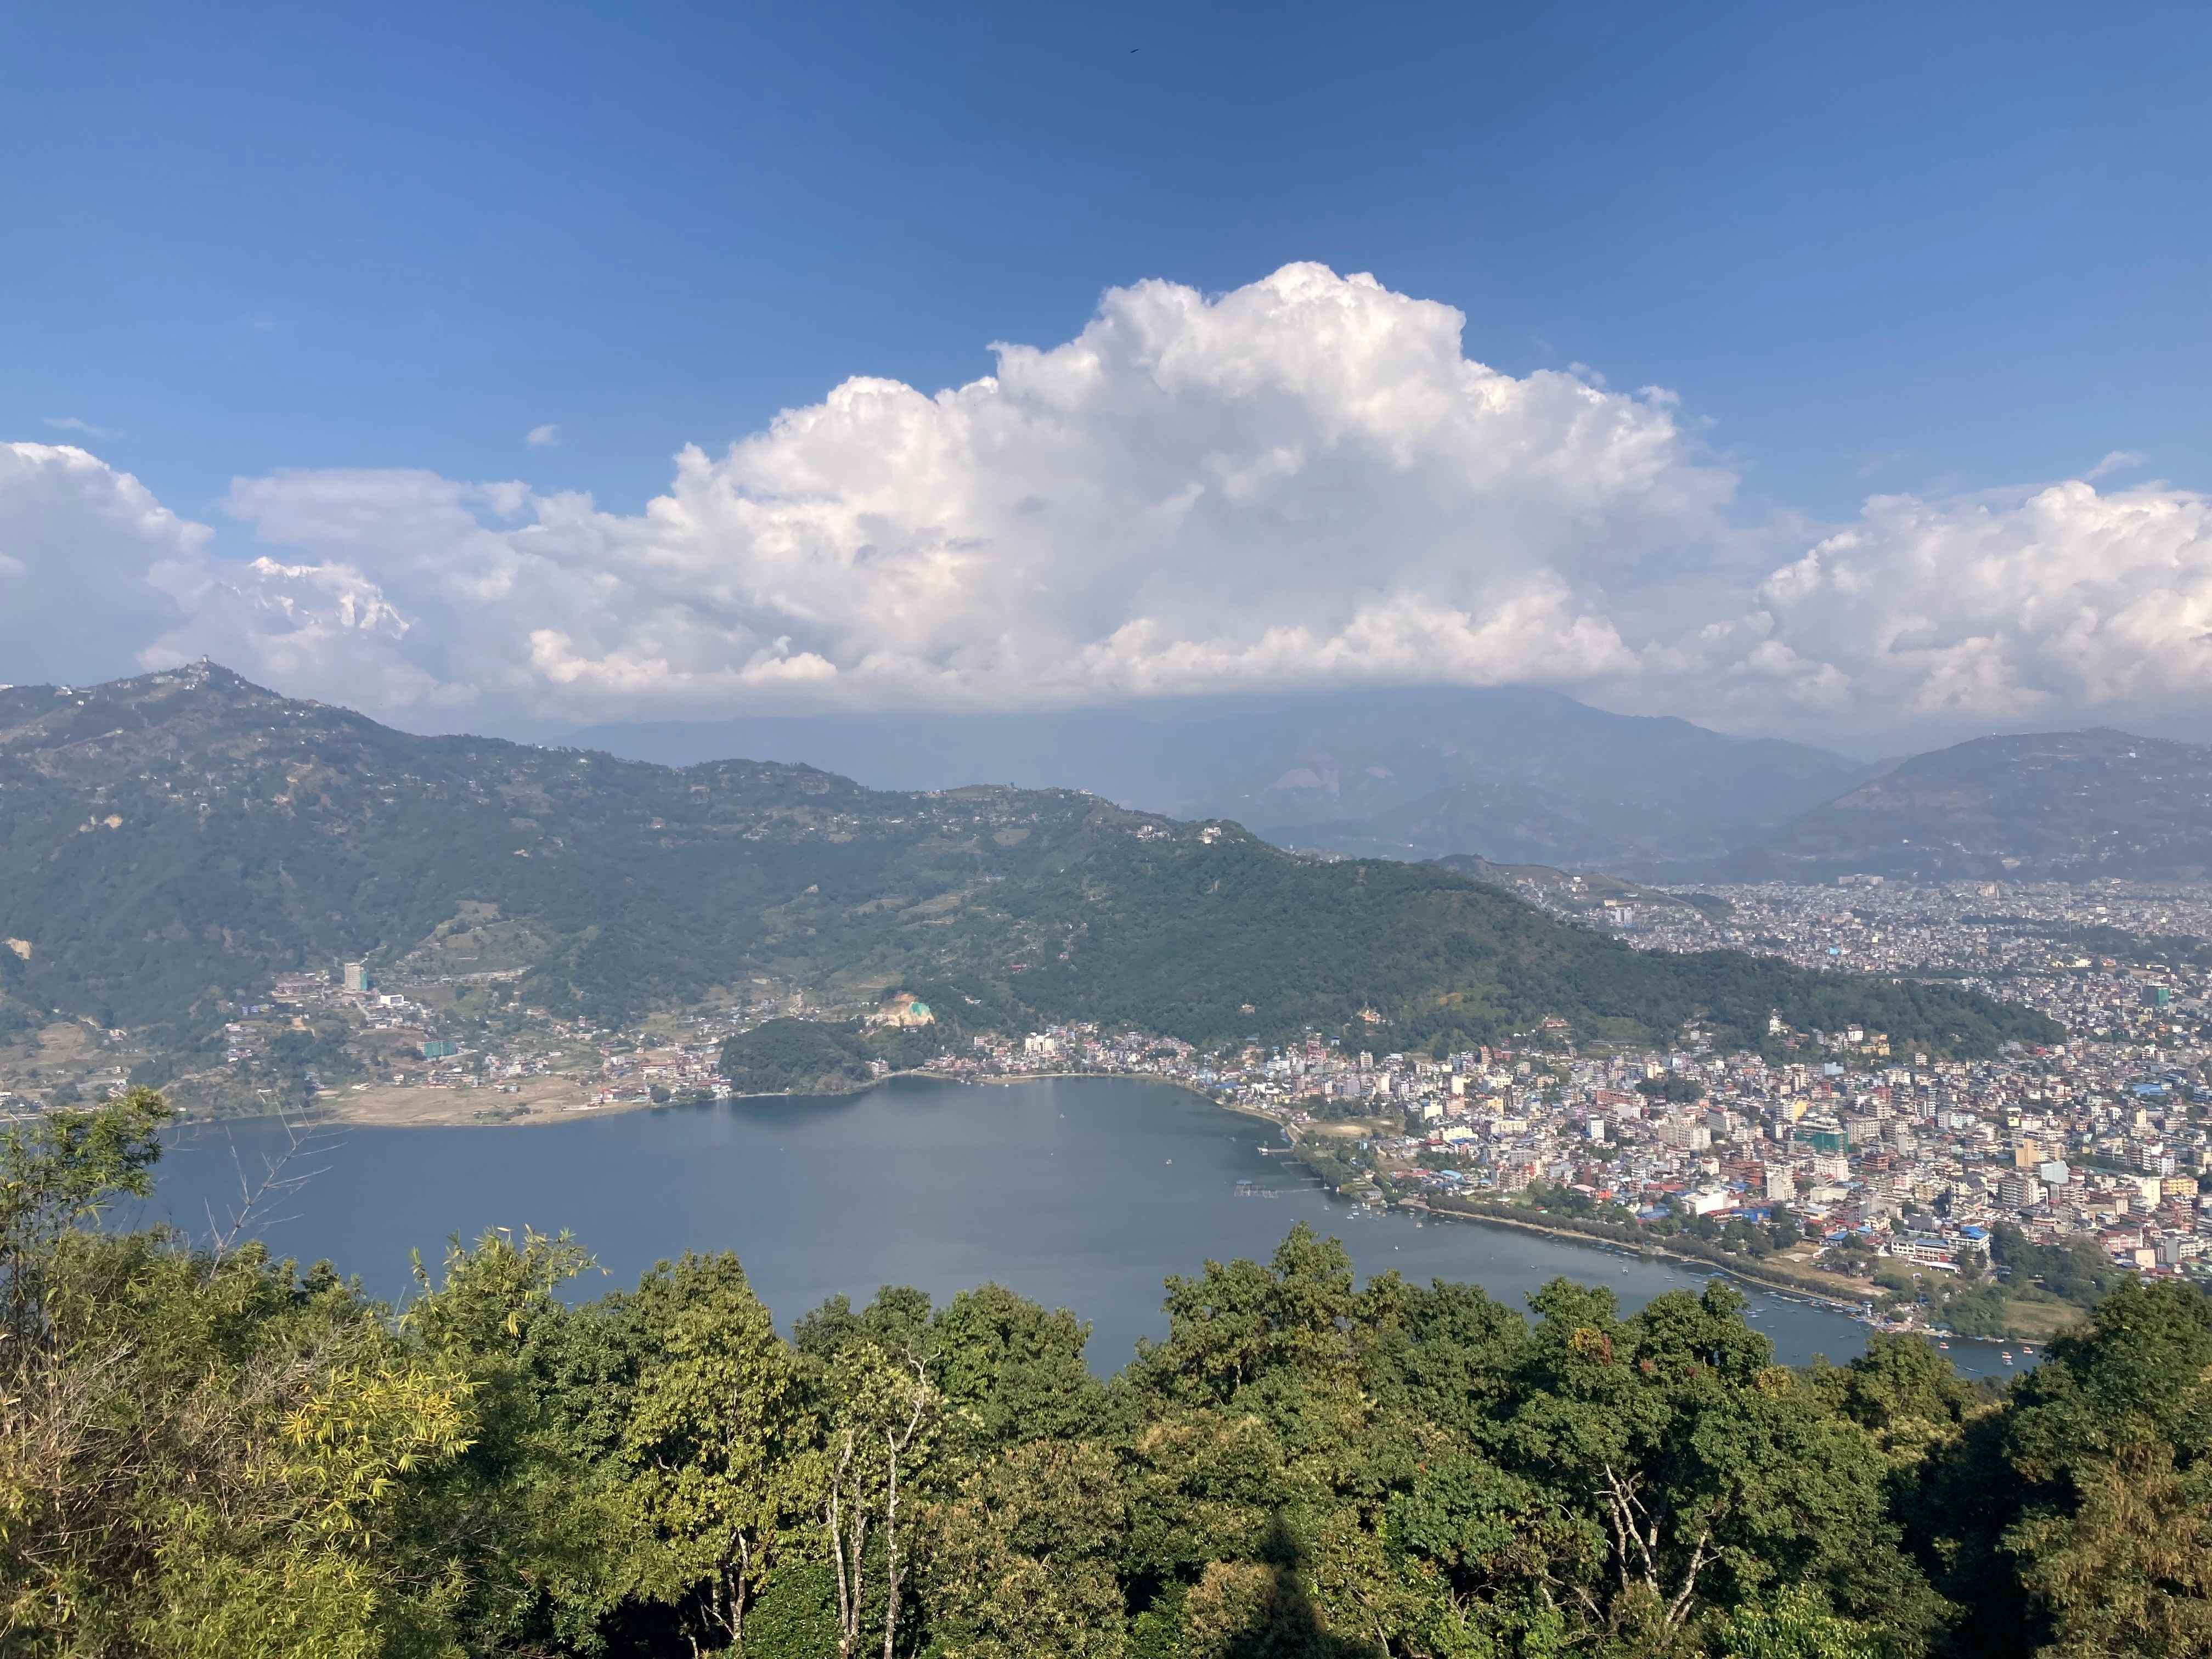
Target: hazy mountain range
{"x": 1517, "y": 775}
{"x": 2054, "y": 806}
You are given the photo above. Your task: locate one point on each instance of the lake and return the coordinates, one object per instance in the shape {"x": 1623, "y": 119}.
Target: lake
{"x": 1078, "y": 1193}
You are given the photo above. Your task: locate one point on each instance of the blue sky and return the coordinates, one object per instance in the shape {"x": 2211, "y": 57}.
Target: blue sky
{"x": 1873, "y": 249}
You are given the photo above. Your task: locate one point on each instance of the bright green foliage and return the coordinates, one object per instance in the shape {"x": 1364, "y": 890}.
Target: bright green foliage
{"x": 217, "y": 1457}
{"x": 1024, "y": 1558}
{"x": 719, "y": 1447}
{"x": 1796, "y": 1624}
{"x": 1010, "y": 1371}
{"x": 202, "y": 1457}
{"x": 541, "y": 1545}
{"x": 58, "y": 1170}
{"x": 1903, "y": 1393}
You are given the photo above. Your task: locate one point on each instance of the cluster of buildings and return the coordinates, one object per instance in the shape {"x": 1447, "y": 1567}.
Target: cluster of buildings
{"x": 1078, "y": 1050}
{"x": 1919, "y": 1160}
{"x": 2124, "y": 961}
{"x": 414, "y": 1038}
{"x": 669, "y": 1071}
{"x": 1860, "y": 1146}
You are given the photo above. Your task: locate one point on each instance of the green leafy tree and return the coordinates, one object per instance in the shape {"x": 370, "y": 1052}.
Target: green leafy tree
{"x": 209, "y": 1454}
{"x": 542, "y": 1545}
{"x": 720, "y": 1439}
{"x": 204, "y": 1454}
{"x": 1709, "y": 1472}
{"x": 1798, "y": 1624}
{"x": 2077, "y": 1521}
{"x": 57, "y": 1171}
{"x": 881, "y": 1432}
{"x": 1902, "y": 1393}
{"x": 1023, "y": 1558}
{"x": 1008, "y": 1371}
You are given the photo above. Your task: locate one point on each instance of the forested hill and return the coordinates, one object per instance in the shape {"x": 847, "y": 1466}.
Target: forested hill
{"x": 172, "y": 840}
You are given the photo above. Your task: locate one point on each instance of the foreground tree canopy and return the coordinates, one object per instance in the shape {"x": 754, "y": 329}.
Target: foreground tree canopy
{"x": 207, "y": 1452}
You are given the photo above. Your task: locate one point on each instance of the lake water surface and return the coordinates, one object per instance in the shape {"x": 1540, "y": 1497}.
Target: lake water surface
{"x": 1078, "y": 1193}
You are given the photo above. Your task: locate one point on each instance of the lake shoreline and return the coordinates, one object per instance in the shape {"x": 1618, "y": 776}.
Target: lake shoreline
{"x": 452, "y": 1118}
{"x": 1088, "y": 1199}
{"x": 1844, "y": 1303}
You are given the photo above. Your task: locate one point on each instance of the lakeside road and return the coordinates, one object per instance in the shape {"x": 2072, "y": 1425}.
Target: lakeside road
{"x": 1847, "y": 1301}
{"x": 2042, "y": 1322}
{"x": 1843, "y": 1295}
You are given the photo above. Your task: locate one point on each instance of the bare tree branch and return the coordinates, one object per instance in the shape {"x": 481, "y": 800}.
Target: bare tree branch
{"x": 277, "y": 1182}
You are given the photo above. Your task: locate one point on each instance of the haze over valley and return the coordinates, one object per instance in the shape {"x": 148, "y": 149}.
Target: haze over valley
{"x": 1518, "y": 774}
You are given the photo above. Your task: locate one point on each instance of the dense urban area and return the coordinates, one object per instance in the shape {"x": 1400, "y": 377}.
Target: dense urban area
{"x": 1982, "y": 1198}
{"x": 1985, "y": 1198}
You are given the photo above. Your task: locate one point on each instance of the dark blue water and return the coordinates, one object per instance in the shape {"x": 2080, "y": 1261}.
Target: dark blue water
{"x": 1081, "y": 1193}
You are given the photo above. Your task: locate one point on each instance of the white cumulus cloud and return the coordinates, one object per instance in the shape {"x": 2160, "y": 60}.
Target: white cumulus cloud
{"x": 1306, "y": 481}
{"x": 543, "y": 437}
{"x": 85, "y": 554}
{"x": 2062, "y": 602}
{"x": 1302, "y": 481}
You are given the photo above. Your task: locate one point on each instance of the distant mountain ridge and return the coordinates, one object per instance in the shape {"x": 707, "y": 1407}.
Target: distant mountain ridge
{"x": 1515, "y": 775}
{"x": 2050, "y": 806}
{"x": 171, "y": 841}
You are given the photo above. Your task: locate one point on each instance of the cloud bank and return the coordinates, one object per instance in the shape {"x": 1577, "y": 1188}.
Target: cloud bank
{"x": 1303, "y": 482}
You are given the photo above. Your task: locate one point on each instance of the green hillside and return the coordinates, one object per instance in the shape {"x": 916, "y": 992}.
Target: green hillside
{"x": 171, "y": 841}
{"x": 796, "y": 1057}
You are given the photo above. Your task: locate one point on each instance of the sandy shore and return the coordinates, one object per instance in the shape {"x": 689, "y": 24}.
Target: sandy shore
{"x": 559, "y": 1100}
{"x": 539, "y": 1100}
